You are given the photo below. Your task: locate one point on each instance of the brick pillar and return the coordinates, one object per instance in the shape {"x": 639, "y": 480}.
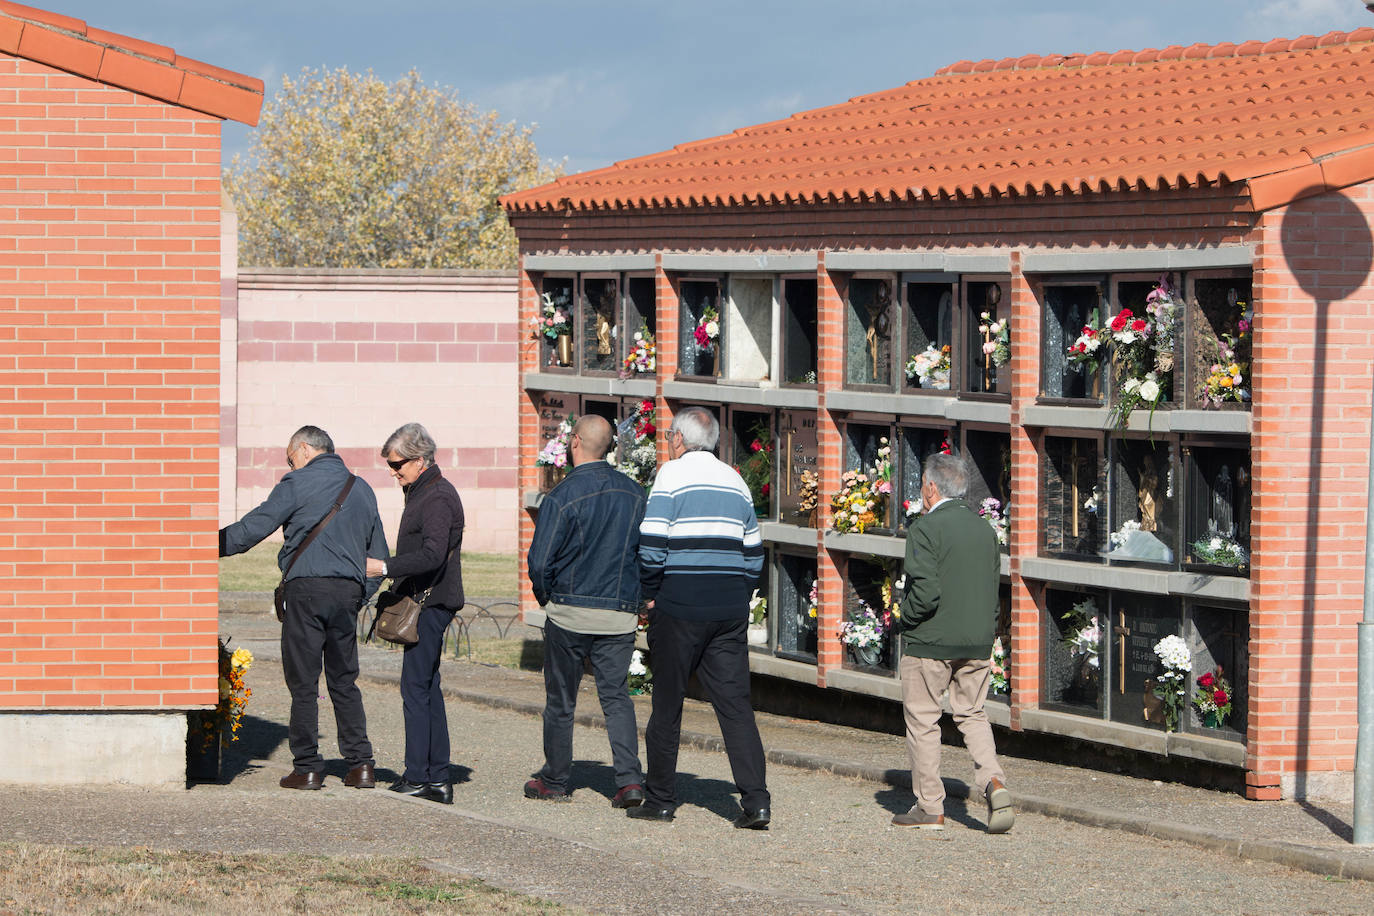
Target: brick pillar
{"x": 829, "y": 461}
{"x": 666, "y": 343}
{"x": 1025, "y": 473}
{"x": 1313, "y": 344}
{"x": 529, "y": 442}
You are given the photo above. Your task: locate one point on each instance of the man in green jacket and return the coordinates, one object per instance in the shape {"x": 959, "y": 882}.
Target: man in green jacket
{"x": 948, "y": 616}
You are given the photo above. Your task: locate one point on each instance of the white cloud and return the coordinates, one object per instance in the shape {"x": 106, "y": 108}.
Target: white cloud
{"x": 1291, "y": 18}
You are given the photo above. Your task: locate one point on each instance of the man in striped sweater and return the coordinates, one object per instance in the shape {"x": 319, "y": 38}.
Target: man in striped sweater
{"x": 700, "y": 557}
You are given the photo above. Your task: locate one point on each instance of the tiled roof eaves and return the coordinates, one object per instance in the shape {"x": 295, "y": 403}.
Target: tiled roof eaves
{"x": 117, "y": 60}
{"x": 1193, "y": 119}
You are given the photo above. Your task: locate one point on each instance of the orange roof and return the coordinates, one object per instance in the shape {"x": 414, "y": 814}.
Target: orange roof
{"x": 1286, "y": 117}
{"x": 149, "y": 69}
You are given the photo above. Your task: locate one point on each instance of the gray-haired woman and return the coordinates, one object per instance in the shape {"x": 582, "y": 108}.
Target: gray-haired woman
{"x": 427, "y": 560}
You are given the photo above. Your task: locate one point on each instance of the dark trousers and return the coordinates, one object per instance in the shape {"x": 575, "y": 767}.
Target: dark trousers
{"x": 422, "y": 701}
{"x": 564, "y": 655}
{"x": 320, "y": 625}
{"x": 719, "y": 654}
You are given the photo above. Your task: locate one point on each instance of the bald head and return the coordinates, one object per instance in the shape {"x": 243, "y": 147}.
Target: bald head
{"x": 593, "y": 439}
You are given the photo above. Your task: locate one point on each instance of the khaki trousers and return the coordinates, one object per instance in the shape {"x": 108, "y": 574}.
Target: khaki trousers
{"x": 923, "y": 681}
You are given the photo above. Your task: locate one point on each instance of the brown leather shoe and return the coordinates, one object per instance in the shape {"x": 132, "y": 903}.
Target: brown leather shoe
{"x": 362, "y": 776}
{"x": 302, "y": 781}
{"x": 918, "y": 818}
{"x": 1001, "y": 815}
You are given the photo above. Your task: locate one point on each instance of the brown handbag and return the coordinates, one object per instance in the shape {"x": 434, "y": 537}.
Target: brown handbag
{"x": 279, "y": 594}
{"x": 398, "y": 616}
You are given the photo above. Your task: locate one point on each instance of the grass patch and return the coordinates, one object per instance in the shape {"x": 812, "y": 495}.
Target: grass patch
{"x": 522, "y": 654}
{"x": 48, "y": 879}
{"x": 486, "y": 574}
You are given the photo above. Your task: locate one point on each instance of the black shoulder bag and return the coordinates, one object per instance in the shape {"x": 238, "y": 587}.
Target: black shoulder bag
{"x": 279, "y": 596}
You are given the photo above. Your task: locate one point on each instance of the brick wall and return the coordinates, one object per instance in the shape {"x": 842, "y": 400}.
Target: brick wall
{"x": 359, "y": 353}
{"x": 1314, "y": 345}
{"x": 109, "y": 367}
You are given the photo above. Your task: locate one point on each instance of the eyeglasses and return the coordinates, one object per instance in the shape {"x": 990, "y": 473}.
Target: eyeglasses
{"x": 291, "y": 451}
{"x": 397, "y": 465}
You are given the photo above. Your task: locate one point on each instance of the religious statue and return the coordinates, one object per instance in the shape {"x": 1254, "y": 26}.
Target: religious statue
{"x": 1222, "y": 500}
{"x": 1149, "y": 484}
{"x": 879, "y": 324}
{"x": 604, "y": 330}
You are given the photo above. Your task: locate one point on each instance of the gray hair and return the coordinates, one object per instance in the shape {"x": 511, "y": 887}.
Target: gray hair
{"x": 949, "y": 475}
{"x": 312, "y": 436}
{"x": 699, "y": 427}
{"x": 411, "y": 441}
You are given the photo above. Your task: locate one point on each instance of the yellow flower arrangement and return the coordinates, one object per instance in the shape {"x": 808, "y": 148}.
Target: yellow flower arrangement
{"x": 233, "y": 697}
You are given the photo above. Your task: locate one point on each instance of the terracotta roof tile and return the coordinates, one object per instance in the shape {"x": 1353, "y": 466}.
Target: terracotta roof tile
{"x": 117, "y": 60}
{"x": 1200, "y": 115}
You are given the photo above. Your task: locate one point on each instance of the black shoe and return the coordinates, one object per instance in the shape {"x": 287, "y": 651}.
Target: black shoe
{"x": 753, "y": 820}
{"x": 296, "y": 780}
{"x": 629, "y": 796}
{"x": 441, "y": 792}
{"x": 401, "y": 787}
{"x": 648, "y": 812}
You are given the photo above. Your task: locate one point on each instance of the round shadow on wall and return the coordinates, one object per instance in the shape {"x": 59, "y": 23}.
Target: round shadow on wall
{"x": 1327, "y": 216}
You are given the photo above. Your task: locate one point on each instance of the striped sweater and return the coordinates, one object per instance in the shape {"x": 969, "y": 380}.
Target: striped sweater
{"x": 700, "y": 553}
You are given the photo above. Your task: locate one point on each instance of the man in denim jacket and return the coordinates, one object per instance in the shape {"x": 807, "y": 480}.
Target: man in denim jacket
{"x": 584, "y": 568}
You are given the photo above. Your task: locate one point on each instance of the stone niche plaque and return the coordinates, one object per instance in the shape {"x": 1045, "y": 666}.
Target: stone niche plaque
{"x": 748, "y": 324}
{"x": 930, "y": 323}
{"x": 989, "y": 460}
{"x": 1219, "y": 311}
{"x": 697, "y": 299}
{"x": 799, "y": 330}
{"x": 553, "y": 408}
{"x": 1068, "y": 308}
{"x": 1073, "y": 510}
{"x": 640, "y": 307}
{"x": 1073, "y": 649}
{"x": 1137, "y": 622}
{"x": 600, "y": 325}
{"x": 1133, "y": 294}
{"x": 917, "y": 443}
{"x": 796, "y": 608}
{"x": 981, "y": 372}
{"x": 559, "y": 291}
{"x": 1144, "y": 502}
{"x": 870, "y": 322}
{"x": 865, "y": 581}
{"x": 1220, "y": 637}
{"x": 752, "y": 450}
{"x": 798, "y": 445}
{"x": 1217, "y": 528}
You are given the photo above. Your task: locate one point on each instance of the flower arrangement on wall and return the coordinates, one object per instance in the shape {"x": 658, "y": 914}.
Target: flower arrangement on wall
{"x": 757, "y": 466}
{"x": 641, "y": 676}
{"x": 1226, "y": 376}
{"x": 863, "y": 627}
{"x": 639, "y": 449}
{"x": 930, "y": 367}
{"x": 643, "y": 358}
{"x": 554, "y": 318}
{"x": 1219, "y": 550}
{"x": 991, "y": 512}
{"x": 1212, "y": 698}
{"x": 555, "y": 452}
{"x": 861, "y": 502}
{"x": 1001, "y": 667}
{"x": 224, "y": 721}
{"x": 1177, "y": 662}
{"x": 707, "y": 331}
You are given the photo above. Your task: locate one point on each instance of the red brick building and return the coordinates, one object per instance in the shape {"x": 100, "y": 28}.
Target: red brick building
{"x": 1222, "y": 194}
{"x": 109, "y": 369}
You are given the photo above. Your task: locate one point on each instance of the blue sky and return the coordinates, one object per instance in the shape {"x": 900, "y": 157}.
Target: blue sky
{"x": 611, "y": 79}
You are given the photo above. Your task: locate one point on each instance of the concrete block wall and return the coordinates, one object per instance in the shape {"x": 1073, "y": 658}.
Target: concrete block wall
{"x": 358, "y": 353}
{"x": 109, "y": 369}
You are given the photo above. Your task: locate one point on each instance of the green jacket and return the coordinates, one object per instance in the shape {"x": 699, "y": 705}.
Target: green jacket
{"x": 953, "y": 574}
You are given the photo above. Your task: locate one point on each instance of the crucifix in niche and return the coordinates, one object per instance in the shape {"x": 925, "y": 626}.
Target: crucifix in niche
{"x": 879, "y": 323}
{"x": 1077, "y": 465}
{"x": 1121, "y": 631}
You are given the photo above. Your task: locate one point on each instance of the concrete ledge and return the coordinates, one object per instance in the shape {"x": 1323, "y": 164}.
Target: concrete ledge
{"x": 531, "y": 499}
{"x": 934, "y": 405}
{"x": 781, "y": 262}
{"x": 981, "y": 412}
{"x": 1152, "y": 259}
{"x": 584, "y": 262}
{"x": 53, "y": 748}
{"x": 982, "y": 262}
{"x": 784, "y": 668}
{"x": 778, "y": 533}
{"x": 873, "y": 685}
{"x": 883, "y": 545}
{"x": 1237, "y": 422}
{"x": 1132, "y": 579}
{"x": 1099, "y": 731}
{"x": 753, "y": 394}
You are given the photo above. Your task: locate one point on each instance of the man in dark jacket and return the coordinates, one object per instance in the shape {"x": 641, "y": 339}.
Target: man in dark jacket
{"x": 325, "y": 587}
{"x": 948, "y": 618}
{"x": 584, "y": 569}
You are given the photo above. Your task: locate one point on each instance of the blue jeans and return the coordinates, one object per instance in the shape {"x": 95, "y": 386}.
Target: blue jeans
{"x": 565, "y": 653}
{"x": 422, "y": 701}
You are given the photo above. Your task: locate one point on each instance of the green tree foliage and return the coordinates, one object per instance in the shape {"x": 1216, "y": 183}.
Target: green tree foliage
{"x": 348, "y": 171}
